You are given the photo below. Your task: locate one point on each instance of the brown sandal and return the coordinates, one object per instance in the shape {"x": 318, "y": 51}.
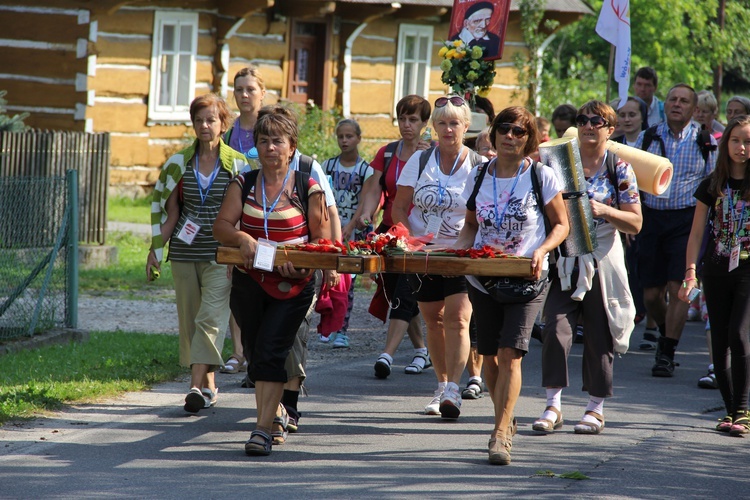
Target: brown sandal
{"x": 546, "y": 425}
{"x": 584, "y": 427}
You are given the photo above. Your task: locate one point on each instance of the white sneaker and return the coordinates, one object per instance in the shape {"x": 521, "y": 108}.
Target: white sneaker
{"x": 434, "y": 407}
{"x": 450, "y": 402}
{"x": 325, "y": 339}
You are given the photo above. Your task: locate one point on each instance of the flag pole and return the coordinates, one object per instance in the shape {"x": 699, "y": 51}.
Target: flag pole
{"x": 610, "y": 71}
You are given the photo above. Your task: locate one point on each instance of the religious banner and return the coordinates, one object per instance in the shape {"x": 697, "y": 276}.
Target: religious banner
{"x": 481, "y": 23}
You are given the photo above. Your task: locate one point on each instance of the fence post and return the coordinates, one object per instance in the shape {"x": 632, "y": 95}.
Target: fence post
{"x": 71, "y": 178}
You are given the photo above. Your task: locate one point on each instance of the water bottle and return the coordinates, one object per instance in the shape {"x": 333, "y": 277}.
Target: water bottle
{"x": 427, "y": 135}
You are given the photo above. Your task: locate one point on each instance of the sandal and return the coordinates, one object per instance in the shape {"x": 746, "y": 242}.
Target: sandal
{"x": 279, "y": 430}
{"x": 210, "y": 396}
{"x": 725, "y": 424}
{"x": 584, "y": 427}
{"x": 741, "y": 424}
{"x": 194, "y": 401}
{"x": 382, "y": 367}
{"x": 259, "y": 444}
{"x": 499, "y": 454}
{"x": 235, "y": 364}
{"x": 546, "y": 425}
{"x": 418, "y": 364}
{"x": 473, "y": 391}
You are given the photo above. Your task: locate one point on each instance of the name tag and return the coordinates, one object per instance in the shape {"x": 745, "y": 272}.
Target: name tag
{"x": 188, "y": 232}
{"x": 265, "y": 255}
{"x": 433, "y": 225}
{"x": 734, "y": 258}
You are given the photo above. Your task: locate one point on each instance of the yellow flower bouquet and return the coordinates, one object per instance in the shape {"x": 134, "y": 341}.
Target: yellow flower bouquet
{"x": 464, "y": 70}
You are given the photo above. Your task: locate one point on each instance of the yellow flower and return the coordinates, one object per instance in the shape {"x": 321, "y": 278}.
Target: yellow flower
{"x": 460, "y": 54}
{"x": 450, "y": 54}
{"x": 484, "y": 91}
{"x": 442, "y": 51}
{"x": 457, "y": 43}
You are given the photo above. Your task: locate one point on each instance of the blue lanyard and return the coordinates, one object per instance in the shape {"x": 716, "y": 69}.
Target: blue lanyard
{"x": 494, "y": 192}
{"x": 266, "y": 211}
{"x": 730, "y": 201}
{"x": 204, "y": 194}
{"x": 239, "y": 140}
{"x": 338, "y": 174}
{"x": 441, "y": 188}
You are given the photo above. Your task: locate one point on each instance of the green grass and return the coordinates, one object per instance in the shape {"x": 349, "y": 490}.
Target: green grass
{"x": 129, "y": 275}
{"x": 123, "y": 209}
{"x": 45, "y": 379}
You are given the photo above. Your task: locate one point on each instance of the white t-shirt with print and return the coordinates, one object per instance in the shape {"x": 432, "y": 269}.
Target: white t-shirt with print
{"x": 427, "y": 192}
{"x": 522, "y": 229}
{"x": 347, "y": 183}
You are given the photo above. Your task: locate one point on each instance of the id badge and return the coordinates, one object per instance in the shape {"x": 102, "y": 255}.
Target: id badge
{"x": 665, "y": 195}
{"x": 265, "y": 255}
{"x": 433, "y": 225}
{"x": 188, "y": 232}
{"x": 734, "y": 257}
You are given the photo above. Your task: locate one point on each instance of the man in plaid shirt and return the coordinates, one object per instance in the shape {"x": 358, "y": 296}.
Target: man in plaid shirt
{"x": 667, "y": 219}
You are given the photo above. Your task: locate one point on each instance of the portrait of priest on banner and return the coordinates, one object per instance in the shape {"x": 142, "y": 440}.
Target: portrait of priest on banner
{"x": 480, "y": 23}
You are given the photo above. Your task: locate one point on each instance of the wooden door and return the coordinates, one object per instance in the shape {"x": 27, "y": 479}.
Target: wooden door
{"x": 307, "y": 62}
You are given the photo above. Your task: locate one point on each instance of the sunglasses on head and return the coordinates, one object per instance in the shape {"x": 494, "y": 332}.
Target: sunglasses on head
{"x": 596, "y": 121}
{"x": 504, "y": 128}
{"x": 455, "y": 100}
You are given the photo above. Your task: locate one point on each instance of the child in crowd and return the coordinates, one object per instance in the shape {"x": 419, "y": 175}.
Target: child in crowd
{"x": 348, "y": 173}
{"x": 544, "y": 127}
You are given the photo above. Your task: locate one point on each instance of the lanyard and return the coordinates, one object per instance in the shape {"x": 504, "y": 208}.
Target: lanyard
{"x": 266, "y": 211}
{"x": 239, "y": 140}
{"x": 338, "y": 174}
{"x": 494, "y": 192}
{"x": 441, "y": 188}
{"x": 204, "y": 194}
{"x": 730, "y": 201}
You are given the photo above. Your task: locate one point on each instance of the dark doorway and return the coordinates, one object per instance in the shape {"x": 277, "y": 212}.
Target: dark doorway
{"x": 307, "y": 59}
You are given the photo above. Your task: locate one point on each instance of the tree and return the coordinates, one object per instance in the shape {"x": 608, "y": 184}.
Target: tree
{"x": 10, "y": 123}
{"x": 679, "y": 38}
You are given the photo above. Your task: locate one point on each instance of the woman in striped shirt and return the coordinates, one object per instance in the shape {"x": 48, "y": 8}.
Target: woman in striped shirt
{"x": 269, "y": 302}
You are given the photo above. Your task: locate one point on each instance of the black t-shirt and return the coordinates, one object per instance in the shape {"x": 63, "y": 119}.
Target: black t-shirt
{"x": 728, "y": 216}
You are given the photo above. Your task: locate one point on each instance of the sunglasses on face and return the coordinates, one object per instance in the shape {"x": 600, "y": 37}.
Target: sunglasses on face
{"x": 455, "y": 100}
{"x": 596, "y": 121}
{"x": 504, "y": 128}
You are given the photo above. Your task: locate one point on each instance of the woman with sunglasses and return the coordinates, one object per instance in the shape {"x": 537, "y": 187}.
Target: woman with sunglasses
{"x": 413, "y": 113}
{"x": 504, "y": 212}
{"x": 439, "y": 208}
{"x": 615, "y": 205}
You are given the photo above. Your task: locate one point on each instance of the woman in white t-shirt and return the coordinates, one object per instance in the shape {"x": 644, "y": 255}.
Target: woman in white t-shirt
{"x": 430, "y": 200}
{"x": 506, "y": 214}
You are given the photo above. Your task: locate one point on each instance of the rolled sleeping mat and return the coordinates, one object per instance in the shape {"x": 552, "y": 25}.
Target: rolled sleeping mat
{"x": 652, "y": 172}
{"x": 564, "y": 157}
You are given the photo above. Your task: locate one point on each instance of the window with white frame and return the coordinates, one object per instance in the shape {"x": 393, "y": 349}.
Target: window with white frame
{"x": 173, "y": 66}
{"x": 413, "y": 63}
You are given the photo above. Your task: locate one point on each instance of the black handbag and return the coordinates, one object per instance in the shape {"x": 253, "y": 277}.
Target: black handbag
{"x": 512, "y": 290}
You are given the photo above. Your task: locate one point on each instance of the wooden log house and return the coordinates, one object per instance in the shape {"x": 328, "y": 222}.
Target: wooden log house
{"x": 131, "y": 67}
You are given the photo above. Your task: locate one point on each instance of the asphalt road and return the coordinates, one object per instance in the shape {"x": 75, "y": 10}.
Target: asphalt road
{"x": 361, "y": 437}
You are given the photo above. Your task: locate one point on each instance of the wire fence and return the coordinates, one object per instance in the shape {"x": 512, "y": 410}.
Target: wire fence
{"x": 38, "y": 254}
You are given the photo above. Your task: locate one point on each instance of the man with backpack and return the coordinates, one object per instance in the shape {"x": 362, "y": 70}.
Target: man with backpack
{"x": 667, "y": 219}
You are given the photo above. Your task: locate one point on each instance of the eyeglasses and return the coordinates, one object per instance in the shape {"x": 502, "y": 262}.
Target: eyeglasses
{"x": 504, "y": 128}
{"x": 455, "y": 100}
{"x": 596, "y": 121}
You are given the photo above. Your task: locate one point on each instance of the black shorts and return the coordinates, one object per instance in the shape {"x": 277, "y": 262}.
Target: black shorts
{"x": 401, "y": 297}
{"x": 434, "y": 288}
{"x": 503, "y": 325}
{"x": 661, "y": 245}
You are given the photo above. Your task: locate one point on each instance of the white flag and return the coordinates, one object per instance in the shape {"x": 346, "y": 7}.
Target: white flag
{"x": 614, "y": 26}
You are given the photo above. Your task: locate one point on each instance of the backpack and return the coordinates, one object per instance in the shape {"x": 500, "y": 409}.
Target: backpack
{"x": 536, "y": 186}
{"x": 331, "y": 162}
{"x": 390, "y": 150}
{"x": 703, "y": 140}
{"x": 301, "y": 182}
